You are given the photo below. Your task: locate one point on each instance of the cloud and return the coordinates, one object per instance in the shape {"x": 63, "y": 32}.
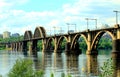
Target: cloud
{"x": 76, "y": 12}
{"x": 10, "y": 4}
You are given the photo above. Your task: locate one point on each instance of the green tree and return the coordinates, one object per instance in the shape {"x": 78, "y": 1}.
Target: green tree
{"x": 82, "y": 43}
{"x": 24, "y": 68}
{"x": 107, "y": 69}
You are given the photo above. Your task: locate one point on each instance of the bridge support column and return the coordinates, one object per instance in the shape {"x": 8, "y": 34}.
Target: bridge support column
{"x": 24, "y": 47}
{"x": 116, "y": 46}
{"x": 13, "y": 46}
{"x": 76, "y": 49}
{"x": 88, "y": 52}
{"x": 116, "y": 64}
{"x": 8, "y": 46}
{"x": 55, "y": 49}
{"x": 17, "y": 46}
{"x": 21, "y": 46}
{"x": 34, "y": 47}
{"x": 30, "y": 48}
{"x": 88, "y": 48}
{"x": 67, "y": 46}
{"x": 44, "y": 45}
{"x": 116, "y": 53}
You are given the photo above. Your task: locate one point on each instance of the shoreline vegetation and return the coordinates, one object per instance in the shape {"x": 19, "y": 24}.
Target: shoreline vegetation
{"x": 104, "y": 43}
{"x": 24, "y": 68}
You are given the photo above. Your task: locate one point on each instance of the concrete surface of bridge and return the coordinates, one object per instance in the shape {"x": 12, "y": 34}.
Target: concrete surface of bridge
{"x": 91, "y": 37}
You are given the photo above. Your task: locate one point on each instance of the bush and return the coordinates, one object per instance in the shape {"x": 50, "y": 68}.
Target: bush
{"x": 24, "y": 68}
{"x": 107, "y": 69}
{"x": 0, "y": 75}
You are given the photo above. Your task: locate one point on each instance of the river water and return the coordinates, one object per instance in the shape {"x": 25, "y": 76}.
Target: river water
{"x": 81, "y": 65}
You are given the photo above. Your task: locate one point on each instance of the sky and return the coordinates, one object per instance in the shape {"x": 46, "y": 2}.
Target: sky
{"x": 17, "y": 16}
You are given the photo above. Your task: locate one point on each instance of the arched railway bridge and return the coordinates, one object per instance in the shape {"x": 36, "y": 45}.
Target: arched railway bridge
{"x": 91, "y": 38}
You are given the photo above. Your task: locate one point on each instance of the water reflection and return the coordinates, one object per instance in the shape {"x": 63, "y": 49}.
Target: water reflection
{"x": 77, "y": 65}
{"x": 92, "y": 65}
{"x": 69, "y": 64}
{"x": 72, "y": 65}
{"x": 116, "y": 63}
{"x": 57, "y": 61}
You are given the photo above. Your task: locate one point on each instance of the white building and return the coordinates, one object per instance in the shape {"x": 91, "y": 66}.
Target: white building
{"x": 6, "y": 34}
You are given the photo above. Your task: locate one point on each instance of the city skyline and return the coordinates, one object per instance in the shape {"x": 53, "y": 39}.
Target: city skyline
{"x": 21, "y": 15}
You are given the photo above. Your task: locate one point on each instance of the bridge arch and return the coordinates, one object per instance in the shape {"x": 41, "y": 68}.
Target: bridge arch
{"x": 76, "y": 37}
{"x": 98, "y": 37}
{"x": 49, "y": 43}
{"x": 27, "y": 35}
{"x": 39, "y": 32}
{"x": 60, "y": 41}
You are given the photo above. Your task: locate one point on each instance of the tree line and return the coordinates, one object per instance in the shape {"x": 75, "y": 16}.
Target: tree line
{"x": 104, "y": 43}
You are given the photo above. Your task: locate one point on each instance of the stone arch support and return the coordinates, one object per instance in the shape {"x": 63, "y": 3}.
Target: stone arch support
{"x": 59, "y": 41}
{"x": 76, "y": 37}
{"x": 95, "y": 40}
{"x": 49, "y": 41}
{"x": 27, "y": 35}
{"x": 39, "y": 32}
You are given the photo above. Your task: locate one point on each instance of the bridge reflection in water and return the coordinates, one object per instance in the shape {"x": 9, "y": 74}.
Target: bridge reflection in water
{"x": 92, "y": 65}
{"x": 81, "y": 65}
{"x": 116, "y": 62}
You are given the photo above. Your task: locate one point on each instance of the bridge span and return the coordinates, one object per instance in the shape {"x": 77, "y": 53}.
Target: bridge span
{"x": 91, "y": 37}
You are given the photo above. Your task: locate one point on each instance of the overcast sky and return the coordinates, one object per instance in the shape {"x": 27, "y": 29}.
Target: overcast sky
{"x": 17, "y": 16}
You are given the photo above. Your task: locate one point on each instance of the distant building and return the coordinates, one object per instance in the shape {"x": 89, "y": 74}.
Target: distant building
{"x": 15, "y": 35}
{"x": 6, "y": 34}
{"x": 1, "y": 36}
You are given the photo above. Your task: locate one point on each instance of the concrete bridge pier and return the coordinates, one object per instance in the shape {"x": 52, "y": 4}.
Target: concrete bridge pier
{"x": 90, "y": 49}
{"x": 89, "y": 42}
{"x": 21, "y": 45}
{"x": 44, "y": 45}
{"x": 34, "y": 47}
{"x": 116, "y": 42}
{"x": 30, "y": 51}
{"x": 76, "y": 49}
{"x": 13, "y": 46}
{"x": 8, "y": 46}
{"x": 116, "y": 64}
{"x": 17, "y": 46}
{"x": 116, "y": 47}
{"x": 67, "y": 46}
{"x": 55, "y": 49}
{"x": 24, "y": 47}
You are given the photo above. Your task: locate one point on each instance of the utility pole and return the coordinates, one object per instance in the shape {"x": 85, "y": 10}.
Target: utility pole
{"x": 91, "y": 19}
{"x": 116, "y": 15}
{"x": 75, "y": 27}
{"x": 54, "y": 29}
{"x": 87, "y": 22}
{"x": 68, "y": 26}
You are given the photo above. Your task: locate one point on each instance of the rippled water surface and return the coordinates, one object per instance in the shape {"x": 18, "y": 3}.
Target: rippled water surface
{"x": 77, "y": 65}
